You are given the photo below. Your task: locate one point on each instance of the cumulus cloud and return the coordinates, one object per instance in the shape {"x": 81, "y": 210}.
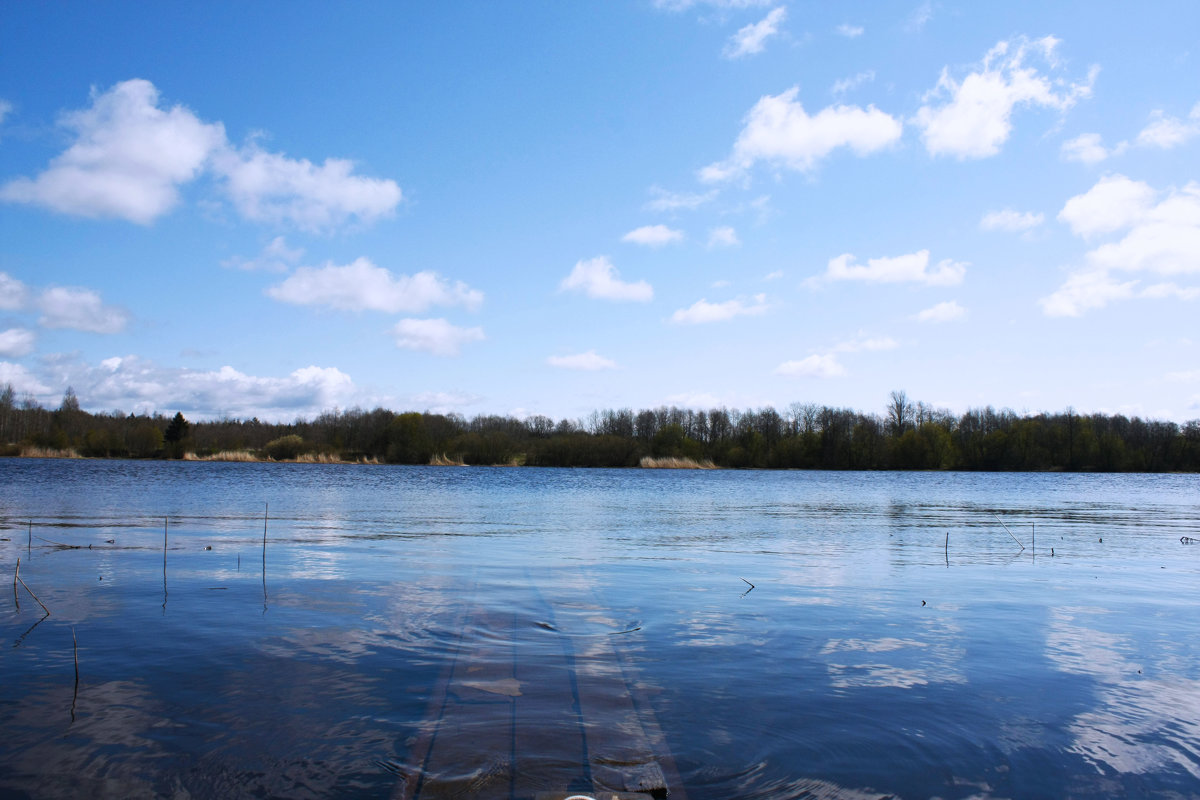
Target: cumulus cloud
{"x": 270, "y": 187}
{"x": 1160, "y": 237}
{"x": 780, "y": 132}
{"x": 80, "y": 310}
{"x": 972, "y": 118}
{"x": 1084, "y": 290}
{"x": 1167, "y": 132}
{"x": 703, "y": 311}
{"x": 1011, "y": 221}
{"x": 590, "y": 361}
{"x": 128, "y": 160}
{"x": 942, "y": 312}
{"x": 130, "y": 157}
{"x": 363, "y": 286}
{"x": 910, "y": 268}
{"x": 436, "y": 336}
{"x": 850, "y": 31}
{"x": 16, "y": 342}
{"x": 723, "y": 236}
{"x": 1115, "y": 202}
{"x": 814, "y": 366}
{"x": 663, "y": 200}
{"x": 844, "y": 85}
{"x": 1088, "y": 148}
{"x": 653, "y": 236}
{"x": 13, "y": 294}
{"x": 135, "y": 384}
{"x": 599, "y": 279}
{"x": 752, "y": 38}
{"x": 275, "y": 257}
{"x": 22, "y": 380}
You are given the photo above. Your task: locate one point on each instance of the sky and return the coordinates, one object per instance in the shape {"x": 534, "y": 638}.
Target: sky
{"x": 276, "y": 209}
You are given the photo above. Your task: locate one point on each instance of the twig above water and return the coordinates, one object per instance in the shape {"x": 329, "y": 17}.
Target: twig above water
{"x": 1010, "y": 533}
{"x": 34, "y": 596}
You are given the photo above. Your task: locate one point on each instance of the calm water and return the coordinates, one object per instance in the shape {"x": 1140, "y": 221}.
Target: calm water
{"x": 474, "y": 632}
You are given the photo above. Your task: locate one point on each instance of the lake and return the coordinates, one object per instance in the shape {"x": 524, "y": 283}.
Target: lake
{"x": 433, "y": 632}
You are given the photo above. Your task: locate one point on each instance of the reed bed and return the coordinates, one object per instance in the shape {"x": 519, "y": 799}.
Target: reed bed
{"x": 224, "y": 455}
{"x": 442, "y": 460}
{"x": 48, "y": 452}
{"x": 675, "y": 463}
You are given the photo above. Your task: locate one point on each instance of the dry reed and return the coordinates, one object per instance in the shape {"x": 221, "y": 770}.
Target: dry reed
{"x": 675, "y": 463}
{"x": 442, "y": 460}
{"x": 48, "y": 452}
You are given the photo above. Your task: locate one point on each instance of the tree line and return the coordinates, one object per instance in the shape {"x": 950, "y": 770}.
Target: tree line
{"x": 905, "y": 436}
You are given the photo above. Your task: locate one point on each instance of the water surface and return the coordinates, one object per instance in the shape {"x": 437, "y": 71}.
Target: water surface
{"x": 442, "y": 632}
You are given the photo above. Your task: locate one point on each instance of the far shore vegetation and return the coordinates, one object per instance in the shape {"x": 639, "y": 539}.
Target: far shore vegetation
{"x": 905, "y": 436}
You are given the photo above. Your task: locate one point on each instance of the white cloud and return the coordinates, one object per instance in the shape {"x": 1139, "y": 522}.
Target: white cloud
{"x": 1010, "y": 220}
{"x": 130, "y": 157}
{"x": 752, "y": 38}
{"x": 972, "y": 118}
{"x": 269, "y": 187}
{"x": 850, "y": 31}
{"x": 1084, "y": 290}
{"x": 663, "y": 200}
{"x": 1088, "y": 148}
{"x": 590, "y": 361}
{"x": 135, "y": 384}
{"x": 436, "y": 336}
{"x": 694, "y": 400}
{"x": 1189, "y": 376}
{"x": 814, "y": 366}
{"x": 599, "y": 279}
{"x": 128, "y": 160}
{"x": 919, "y": 17}
{"x": 653, "y": 236}
{"x": 21, "y": 379}
{"x": 1167, "y": 132}
{"x": 16, "y": 342}
{"x": 80, "y": 310}
{"x": 1115, "y": 202}
{"x": 779, "y": 131}
{"x": 942, "y": 312}
{"x": 844, "y": 85}
{"x": 13, "y": 294}
{"x": 913, "y": 267}
{"x": 363, "y": 286}
{"x": 5, "y": 109}
{"x": 723, "y": 236}
{"x": 1161, "y": 237}
{"x": 682, "y": 5}
{"x": 703, "y": 311}
{"x": 862, "y": 342}
{"x": 275, "y": 257}
{"x": 773, "y": 276}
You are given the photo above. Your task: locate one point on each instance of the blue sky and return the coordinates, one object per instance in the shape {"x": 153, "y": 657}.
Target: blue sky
{"x": 273, "y": 209}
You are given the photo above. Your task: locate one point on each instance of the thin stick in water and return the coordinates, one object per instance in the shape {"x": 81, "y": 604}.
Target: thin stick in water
{"x": 17, "y": 575}
{"x": 34, "y": 596}
{"x": 75, "y": 697}
{"x": 1010, "y": 533}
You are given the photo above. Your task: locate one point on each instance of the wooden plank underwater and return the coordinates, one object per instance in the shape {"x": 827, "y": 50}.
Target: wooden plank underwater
{"x": 528, "y": 708}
